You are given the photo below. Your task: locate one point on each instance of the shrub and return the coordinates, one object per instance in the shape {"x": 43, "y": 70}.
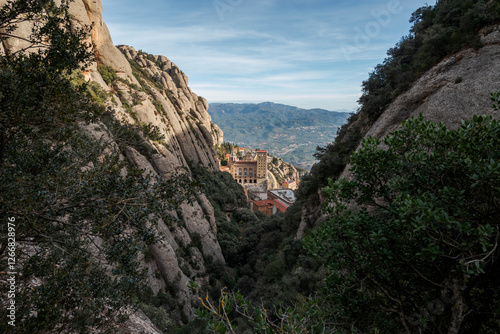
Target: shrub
{"x": 108, "y": 74}
{"x": 424, "y": 227}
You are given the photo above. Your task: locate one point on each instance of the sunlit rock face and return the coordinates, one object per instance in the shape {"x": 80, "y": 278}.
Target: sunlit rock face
{"x": 457, "y": 88}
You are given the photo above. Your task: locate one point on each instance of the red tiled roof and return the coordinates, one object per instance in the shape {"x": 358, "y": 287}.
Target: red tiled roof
{"x": 272, "y": 202}
{"x": 262, "y": 151}
{"x": 280, "y": 205}
{"x": 266, "y": 202}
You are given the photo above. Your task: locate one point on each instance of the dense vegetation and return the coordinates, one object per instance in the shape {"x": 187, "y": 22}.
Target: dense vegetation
{"x": 410, "y": 245}
{"x": 419, "y": 251}
{"x": 225, "y": 149}
{"x": 76, "y": 214}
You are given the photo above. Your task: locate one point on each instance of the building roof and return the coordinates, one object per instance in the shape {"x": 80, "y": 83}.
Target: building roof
{"x": 270, "y": 203}
{"x": 286, "y": 195}
{"x": 265, "y": 202}
{"x": 280, "y": 205}
{"x": 261, "y": 151}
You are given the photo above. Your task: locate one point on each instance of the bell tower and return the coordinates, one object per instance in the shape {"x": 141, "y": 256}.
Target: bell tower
{"x": 261, "y": 165}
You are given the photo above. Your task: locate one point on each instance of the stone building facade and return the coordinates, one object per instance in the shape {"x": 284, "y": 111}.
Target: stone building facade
{"x": 250, "y": 169}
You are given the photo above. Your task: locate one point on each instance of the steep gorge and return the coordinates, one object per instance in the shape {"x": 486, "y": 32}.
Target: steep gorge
{"x": 152, "y": 91}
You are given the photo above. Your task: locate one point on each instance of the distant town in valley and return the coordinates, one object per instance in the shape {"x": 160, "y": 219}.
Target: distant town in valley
{"x": 251, "y": 169}
{"x": 290, "y": 133}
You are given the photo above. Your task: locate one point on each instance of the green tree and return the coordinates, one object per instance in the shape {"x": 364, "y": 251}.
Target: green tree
{"x": 80, "y": 215}
{"x": 35, "y": 88}
{"x": 233, "y": 313}
{"x": 412, "y": 243}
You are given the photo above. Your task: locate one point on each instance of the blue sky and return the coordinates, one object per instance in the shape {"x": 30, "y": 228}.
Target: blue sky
{"x": 309, "y": 54}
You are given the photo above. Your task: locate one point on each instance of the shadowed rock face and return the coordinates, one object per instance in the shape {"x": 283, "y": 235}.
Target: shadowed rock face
{"x": 157, "y": 91}
{"x": 153, "y": 90}
{"x": 159, "y": 95}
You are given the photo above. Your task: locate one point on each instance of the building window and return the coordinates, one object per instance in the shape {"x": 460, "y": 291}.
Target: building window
{"x": 245, "y": 171}
{"x": 239, "y": 172}
{"x": 245, "y": 181}
{"x": 251, "y": 172}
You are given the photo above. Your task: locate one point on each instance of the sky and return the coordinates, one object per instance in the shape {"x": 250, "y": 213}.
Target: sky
{"x": 308, "y": 54}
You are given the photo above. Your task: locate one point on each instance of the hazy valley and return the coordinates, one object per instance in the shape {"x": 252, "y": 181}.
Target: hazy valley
{"x": 287, "y": 132}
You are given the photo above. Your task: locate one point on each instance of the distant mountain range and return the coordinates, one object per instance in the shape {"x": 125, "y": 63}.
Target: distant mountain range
{"x": 288, "y": 132}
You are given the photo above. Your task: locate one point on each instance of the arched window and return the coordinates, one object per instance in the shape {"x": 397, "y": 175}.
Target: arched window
{"x": 250, "y": 172}
{"x": 245, "y": 181}
{"x": 239, "y": 172}
{"x": 255, "y": 181}
{"x": 245, "y": 171}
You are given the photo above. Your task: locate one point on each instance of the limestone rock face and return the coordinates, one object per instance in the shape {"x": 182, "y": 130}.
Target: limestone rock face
{"x": 281, "y": 171}
{"x": 186, "y": 112}
{"x": 90, "y": 13}
{"x": 455, "y": 89}
{"x": 139, "y": 323}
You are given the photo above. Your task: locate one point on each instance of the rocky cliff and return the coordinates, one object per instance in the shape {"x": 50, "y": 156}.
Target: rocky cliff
{"x": 151, "y": 91}
{"x": 281, "y": 171}
{"x": 154, "y": 91}
{"x": 455, "y": 89}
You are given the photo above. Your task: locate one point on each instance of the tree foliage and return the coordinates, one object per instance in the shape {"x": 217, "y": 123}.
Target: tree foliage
{"x": 412, "y": 243}
{"x": 437, "y": 31}
{"x": 233, "y": 313}
{"x": 82, "y": 214}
